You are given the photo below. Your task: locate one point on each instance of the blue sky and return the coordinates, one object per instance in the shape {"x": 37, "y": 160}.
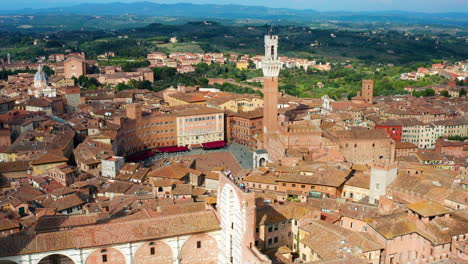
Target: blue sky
{"x": 321, "y": 5}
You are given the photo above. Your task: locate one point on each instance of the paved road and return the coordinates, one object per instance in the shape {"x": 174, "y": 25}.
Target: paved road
{"x": 243, "y": 154}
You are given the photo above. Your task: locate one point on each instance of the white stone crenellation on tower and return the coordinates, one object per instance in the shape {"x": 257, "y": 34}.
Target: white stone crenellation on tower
{"x": 271, "y": 69}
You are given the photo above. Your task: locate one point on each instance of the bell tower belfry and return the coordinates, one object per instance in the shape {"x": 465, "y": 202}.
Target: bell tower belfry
{"x": 271, "y": 47}
{"x": 271, "y": 68}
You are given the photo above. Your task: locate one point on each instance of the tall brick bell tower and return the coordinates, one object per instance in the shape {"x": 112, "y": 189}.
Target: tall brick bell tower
{"x": 271, "y": 67}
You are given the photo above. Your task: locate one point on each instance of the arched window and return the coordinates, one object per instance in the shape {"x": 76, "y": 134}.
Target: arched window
{"x": 272, "y": 51}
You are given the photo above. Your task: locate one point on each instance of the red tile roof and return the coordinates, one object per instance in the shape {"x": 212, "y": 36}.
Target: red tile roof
{"x": 111, "y": 234}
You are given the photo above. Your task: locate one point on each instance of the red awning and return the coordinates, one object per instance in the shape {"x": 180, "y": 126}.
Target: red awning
{"x": 215, "y": 144}
{"x": 173, "y": 149}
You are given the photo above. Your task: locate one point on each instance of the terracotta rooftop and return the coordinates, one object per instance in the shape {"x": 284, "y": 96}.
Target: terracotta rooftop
{"x": 193, "y": 110}
{"x": 360, "y": 180}
{"x": 49, "y": 158}
{"x": 55, "y": 222}
{"x": 98, "y": 235}
{"x": 175, "y": 172}
{"x": 329, "y": 177}
{"x": 257, "y": 113}
{"x": 422, "y": 181}
{"x": 405, "y": 145}
{"x": 212, "y": 175}
{"x": 60, "y": 204}
{"x": 330, "y": 241}
{"x": 278, "y": 213}
{"x": 429, "y": 156}
{"x": 116, "y": 187}
{"x": 208, "y": 161}
{"x": 164, "y": 182}
{"x": 6, "y": 224}
{"x": 438, "y": 231}
{"x": 14, "y": 166}
{"x": 428, "y": 208}
{"x": 182, "y": 189}
{"x": 267, "y": 179}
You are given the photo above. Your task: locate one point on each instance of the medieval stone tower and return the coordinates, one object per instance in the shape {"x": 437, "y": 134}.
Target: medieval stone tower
{"x": 368, "y": 90}
{"x": 271, "y": 67}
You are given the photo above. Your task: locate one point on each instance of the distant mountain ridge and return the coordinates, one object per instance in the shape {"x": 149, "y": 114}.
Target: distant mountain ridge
{"x": 244, "y": 12}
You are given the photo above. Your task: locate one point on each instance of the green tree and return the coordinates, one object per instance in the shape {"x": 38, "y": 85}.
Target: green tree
{"x": 462, "y": 92}
{"x": 202, "y": 68}
{"x": 429, "y": 92}
{"x": 134, "y": 84}
{"x": 122, "y": 86}
{"x": 457, "y": 138}
{"x": 445, "y": 93}
{"x": 86, "y": 82}
{"x": 164, "y": 73}
{"x": 251, "y": 64}
{"x": 48, "y": 70}
{"x": 94, "y": 70}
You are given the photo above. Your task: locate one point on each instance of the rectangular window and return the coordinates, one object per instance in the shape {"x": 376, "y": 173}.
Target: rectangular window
{"x": 270, "y": 229}
{"x": 293, "y": 185}
{"x": 275, "y": 240}
{"x": 152, "y": 251}
{"x": 270, "y": 241}
{"x": 302, "y": 186}
{"x": 104, "y": 258}
{"x": 198, "y": 244}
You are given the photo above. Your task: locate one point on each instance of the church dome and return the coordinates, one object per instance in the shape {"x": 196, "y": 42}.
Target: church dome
{"x": 40, "y": 79}
{"x": 40, "y": 76}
